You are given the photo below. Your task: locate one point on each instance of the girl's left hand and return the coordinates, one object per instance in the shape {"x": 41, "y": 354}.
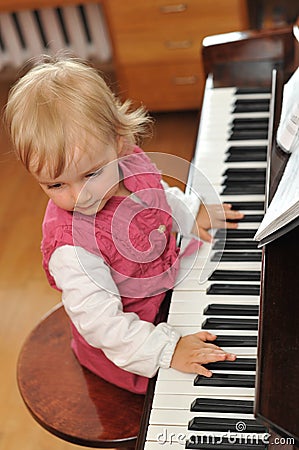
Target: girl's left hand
{"x": 214, "y": 216}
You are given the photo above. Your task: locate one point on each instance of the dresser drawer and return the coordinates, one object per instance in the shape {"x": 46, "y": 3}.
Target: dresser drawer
{"x": 163, "y": 86}
{"x": 168, "y": 31}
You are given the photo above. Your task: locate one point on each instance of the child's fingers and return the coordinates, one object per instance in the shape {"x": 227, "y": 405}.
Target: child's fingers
{"x": 207, "y": 355}
{"x": 214, "y": 350}
{"x": 206, "y": 336}
{"x": 200, "y": 370}
{"x": 230, "y": 356}
{"x": 204, "y": 235}
{"x": 231, "y": 225}
{"x": 210, "y": 358}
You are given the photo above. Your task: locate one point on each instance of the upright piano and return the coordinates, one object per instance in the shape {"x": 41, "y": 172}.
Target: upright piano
{"x": 251, "y": 298}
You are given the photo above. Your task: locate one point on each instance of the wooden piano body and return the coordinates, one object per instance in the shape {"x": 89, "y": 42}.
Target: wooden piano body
{"x": 248, "y": 59}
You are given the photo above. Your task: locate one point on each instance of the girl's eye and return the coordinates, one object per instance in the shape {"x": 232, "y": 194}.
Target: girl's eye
{"x": 54, "y": 186}
{"x": 94, "y": 174}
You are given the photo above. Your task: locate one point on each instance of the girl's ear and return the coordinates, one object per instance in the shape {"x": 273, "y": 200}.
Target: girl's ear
{"x": 123, "y": 146}
{"x": 120, "y": 143}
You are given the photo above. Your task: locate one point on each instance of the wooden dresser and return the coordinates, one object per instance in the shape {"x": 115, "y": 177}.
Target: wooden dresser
{"x": 157, "y": 47}
{"x": 155, "y": 43}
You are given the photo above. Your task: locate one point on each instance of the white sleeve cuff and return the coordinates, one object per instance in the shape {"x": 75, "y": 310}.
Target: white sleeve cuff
{"x": 184, "y": 208}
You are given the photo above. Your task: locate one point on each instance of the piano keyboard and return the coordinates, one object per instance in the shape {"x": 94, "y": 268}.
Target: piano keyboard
{"x": 190, "y": 411}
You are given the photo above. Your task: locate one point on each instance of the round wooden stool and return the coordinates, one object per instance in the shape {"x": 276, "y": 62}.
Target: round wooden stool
{"x": 68, "y": 400}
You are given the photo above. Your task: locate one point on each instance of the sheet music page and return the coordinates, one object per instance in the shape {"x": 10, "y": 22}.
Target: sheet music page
{"x": 284, "y": 207}
{"x": 285, "y": 203}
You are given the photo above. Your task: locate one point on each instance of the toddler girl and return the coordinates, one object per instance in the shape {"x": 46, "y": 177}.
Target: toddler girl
{"x": 108, "y": 242}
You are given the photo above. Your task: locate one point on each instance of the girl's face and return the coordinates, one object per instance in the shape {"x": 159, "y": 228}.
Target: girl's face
{"x": 88, "y": 181}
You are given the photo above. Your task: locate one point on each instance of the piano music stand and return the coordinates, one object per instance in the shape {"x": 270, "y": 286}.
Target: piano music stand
{"x": 68, "y": 400}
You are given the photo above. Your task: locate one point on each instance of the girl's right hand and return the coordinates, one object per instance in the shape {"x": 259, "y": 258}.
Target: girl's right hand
{"x": 192, "y": 351}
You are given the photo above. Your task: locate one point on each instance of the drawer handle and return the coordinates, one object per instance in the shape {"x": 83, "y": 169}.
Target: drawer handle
{"x": 178, "y": 44}
{"x": 182, "y": 81}
{"x": 179, "y": 7}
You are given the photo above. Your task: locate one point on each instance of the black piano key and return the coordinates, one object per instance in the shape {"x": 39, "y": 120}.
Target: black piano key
{"x": 226, "y": 380}
{"x": 238, "y": 364}
{"x": 210, "y": 404}
{"x": 235, "y": 245}
{"x": 246, "y": 153}
{"x": 244, "y": 189}
{"x": 253, "y": 90}
{"x": 231, "y": 309}
{"x": 246, "y": 157}
{"x": 249, "y": 218}
{"x": 248, "y": 178}
{"x": 252, "y": 101}
{"x": 245, "y": 185}
{"x": 237, "y": 256}
{"x": 224, "y": 233}
{"x": 235, "y": 275}
{"x": 248, "y": 206}
{"x": 246, "y": 148}
{"x": 248, "y": 123}
{"x": 222, "y": 323}
{"x": 235, "y": 341}
{"x": 233, "y": 289}
{"x": 239, "y": 174}
{"x": 225, "y": 424}
{"x": 252, "y": 218}
{"x": 242, "y": 135}
{"x": 224, "y": 443}
{"x": 251, "y": 105}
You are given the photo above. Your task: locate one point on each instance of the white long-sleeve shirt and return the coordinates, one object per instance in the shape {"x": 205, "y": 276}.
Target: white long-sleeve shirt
{"x": 92, "y": 301}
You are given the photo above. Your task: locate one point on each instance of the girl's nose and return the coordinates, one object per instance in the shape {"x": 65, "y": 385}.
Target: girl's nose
{"x": 81, "y": 194}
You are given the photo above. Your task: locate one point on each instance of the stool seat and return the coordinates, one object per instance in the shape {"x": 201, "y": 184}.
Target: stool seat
{"x": 67, "y": 399}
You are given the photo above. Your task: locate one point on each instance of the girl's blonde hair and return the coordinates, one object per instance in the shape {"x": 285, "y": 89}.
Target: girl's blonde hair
{"x": 58, "y": 104}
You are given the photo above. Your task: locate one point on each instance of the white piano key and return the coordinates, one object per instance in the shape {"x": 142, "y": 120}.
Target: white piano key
{"x": 207, "y": 146}
{"x": 150, "y": 445}
{"x": 201, "y": 298}
{"x": 194, "y": 273}
{"x": 182, "y": 387}
{"x": 182, "y": 307}
{"x": 245, "y": 198}
{"x": 201, "y": 275}
{"x": 179, "y": 402}
{"x": 204, "y": 167}
{"x": 175, "y": 375}
{"x": 101, "y": 45}
{"x": 52, "y": 29}
{"x": 190, "y": 329}
{"x": 206, "y": 179}
{"x": 248, "y": 225}
{"x": 168, "y": 433}
{"x": 182, "y": 417}
{"x": 192, "y": 282}
{"x": 15, "y": 54}
{"x": 31, "y": 34}
{"x": 195, "y": 319}
{"x": 176, "y": 433}
{"x": 248, "y": 352}
{"x": 75, "y": 29}
{"x": 199, "y": 263}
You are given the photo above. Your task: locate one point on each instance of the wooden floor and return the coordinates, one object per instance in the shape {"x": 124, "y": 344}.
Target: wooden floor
{"x": 24, "y": 292}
